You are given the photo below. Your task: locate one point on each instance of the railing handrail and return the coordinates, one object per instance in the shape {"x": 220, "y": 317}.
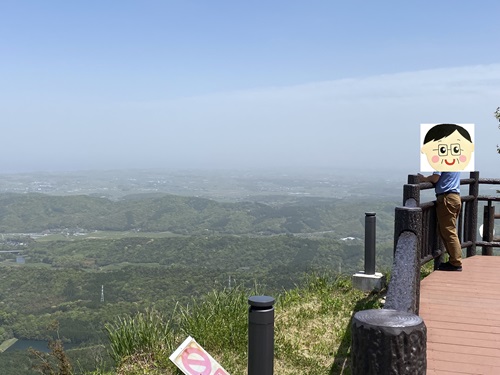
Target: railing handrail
{"x": 467, "y": 220}
{"x": 430, "y": 246}
{"x": 417, "y": 241}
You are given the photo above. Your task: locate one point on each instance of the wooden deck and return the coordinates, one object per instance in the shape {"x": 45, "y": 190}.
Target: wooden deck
{"x": 462, "y": 313}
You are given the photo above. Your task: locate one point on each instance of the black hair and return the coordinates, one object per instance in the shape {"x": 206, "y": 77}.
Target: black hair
{"x": 440, "y": 131}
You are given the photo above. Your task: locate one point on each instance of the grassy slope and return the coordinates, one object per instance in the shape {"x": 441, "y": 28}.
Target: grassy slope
{"x": 312, "y": 330}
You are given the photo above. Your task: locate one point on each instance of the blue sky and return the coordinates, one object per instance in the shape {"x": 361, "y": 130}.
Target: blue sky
{"x": 228, "y": 84}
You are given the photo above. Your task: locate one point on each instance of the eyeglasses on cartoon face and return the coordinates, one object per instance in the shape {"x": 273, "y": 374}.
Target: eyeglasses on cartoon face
{"x": 454, "y": 149}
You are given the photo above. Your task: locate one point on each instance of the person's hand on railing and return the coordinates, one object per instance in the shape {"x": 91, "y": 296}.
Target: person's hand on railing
{"x": 433, "y": 178}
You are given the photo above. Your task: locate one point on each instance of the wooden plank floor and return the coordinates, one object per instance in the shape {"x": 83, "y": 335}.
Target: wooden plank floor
{"x": 462, "y": 313}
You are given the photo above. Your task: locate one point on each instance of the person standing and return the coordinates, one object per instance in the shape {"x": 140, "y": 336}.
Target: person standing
{"x": 448, "y": 205}
{"x": 448, "y": 149}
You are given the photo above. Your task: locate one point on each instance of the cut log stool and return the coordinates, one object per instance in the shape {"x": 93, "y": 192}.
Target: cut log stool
{"x": 388, "y": 342}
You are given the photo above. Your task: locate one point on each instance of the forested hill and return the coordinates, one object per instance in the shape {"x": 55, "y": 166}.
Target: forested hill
{"x": 22, "y": 213}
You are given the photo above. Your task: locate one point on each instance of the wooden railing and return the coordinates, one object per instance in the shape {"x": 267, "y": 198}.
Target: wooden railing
{"x": 431, "y": 245}
{"x": 418, "y": 220}
{"x": 416, "y": 242}
{"x": 489, "y": 241}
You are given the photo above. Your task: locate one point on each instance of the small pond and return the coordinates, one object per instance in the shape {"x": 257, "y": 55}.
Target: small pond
{"x": 35, "y": 344}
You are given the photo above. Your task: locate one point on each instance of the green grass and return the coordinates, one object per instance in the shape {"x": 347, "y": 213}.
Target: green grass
{"x": 312, "y": 330}
{"x": 148, "y": 335}
{"x": 426, "y": 269}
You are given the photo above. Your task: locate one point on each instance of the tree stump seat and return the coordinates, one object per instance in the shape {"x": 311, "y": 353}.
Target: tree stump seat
{"x": 388, "y": 342}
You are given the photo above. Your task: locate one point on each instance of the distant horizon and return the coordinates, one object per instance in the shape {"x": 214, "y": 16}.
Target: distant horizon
{"x": 262, "y": 169}
{"x": 382, "y": 173}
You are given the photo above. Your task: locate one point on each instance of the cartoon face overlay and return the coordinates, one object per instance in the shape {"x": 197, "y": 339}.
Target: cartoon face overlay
{"x": 448, "y": 148}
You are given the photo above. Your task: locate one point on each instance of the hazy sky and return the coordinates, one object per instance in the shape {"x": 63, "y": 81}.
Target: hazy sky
{"x": 228, "y": 84}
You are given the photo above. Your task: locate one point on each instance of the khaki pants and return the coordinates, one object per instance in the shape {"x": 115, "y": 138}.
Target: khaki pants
{"x": 447, "y": 210}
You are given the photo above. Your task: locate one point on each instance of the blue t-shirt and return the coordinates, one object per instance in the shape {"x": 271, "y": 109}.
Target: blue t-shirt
{"x": 449, "y": 182}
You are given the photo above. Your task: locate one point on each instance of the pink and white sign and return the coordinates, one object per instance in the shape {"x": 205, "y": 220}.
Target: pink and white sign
{"x": 192, "y": 359}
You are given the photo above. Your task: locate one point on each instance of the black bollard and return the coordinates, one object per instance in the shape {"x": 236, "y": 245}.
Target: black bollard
{"x": 260, "y": 335}
{"x": 370, "y": 226}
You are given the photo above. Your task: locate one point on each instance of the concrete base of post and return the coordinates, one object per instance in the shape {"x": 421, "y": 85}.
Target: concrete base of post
{"x": 368, "y": 283}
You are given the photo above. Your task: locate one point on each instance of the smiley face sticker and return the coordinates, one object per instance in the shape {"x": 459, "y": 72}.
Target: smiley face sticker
{"x": 447, "y": 147}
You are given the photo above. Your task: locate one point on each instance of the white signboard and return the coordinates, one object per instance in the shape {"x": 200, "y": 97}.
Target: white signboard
{"x": 192, "y": 359}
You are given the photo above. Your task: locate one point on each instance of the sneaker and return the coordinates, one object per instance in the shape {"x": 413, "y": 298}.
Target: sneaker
{"x": 449, "y": 267}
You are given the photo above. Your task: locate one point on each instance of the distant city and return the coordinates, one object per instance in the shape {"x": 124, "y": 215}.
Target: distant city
{"x": 222, "y": 185}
